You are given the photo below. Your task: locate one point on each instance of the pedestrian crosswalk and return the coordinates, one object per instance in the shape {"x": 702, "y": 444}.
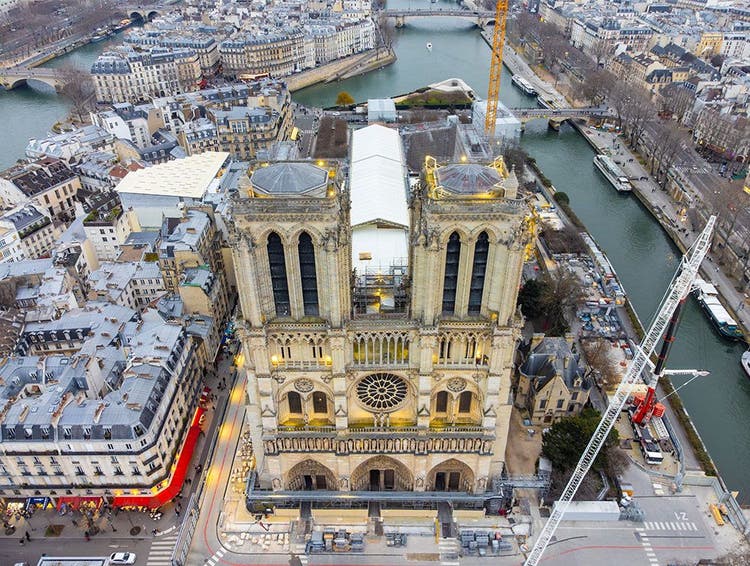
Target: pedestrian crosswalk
{"x": 670, "y": 526}
{"x": 299, "y": 552}
{"x": 216, "y": 558}
{"x": 658, "y": 488}
{"x": 449, "y": 552}
{"x": 161, "y": 550}
{"x": 647, "y": 548}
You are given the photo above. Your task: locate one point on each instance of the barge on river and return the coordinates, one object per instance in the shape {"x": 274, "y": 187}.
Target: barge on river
{"x": 525, "y": 86}
{"x": 613, "y": 173}
{"x": 708, "y": 298}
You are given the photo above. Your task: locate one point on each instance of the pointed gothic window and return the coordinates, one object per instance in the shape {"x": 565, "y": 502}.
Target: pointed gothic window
{"x": 477, "y": 273}
{"x": 279, "y": 283}
{"x": 307, "y": 271}
{"x": 450, "y": 283}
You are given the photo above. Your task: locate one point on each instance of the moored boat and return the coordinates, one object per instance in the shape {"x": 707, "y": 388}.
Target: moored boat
{"x": 525, "y": 86}
{"x": 745, "y": 361}
{"x": 708, "y": 299}
{"x": 613, "y": 173}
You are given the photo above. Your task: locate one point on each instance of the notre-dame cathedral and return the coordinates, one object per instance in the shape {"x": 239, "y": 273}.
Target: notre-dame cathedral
{"x": 379, "y": 320}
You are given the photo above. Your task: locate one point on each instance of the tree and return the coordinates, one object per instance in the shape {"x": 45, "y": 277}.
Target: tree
{"x": 515, "y": 158}
{"x": 668, "y": 142}
{"x": 676, "y": 99}
{"x": 596, "y": 85}
{"x": 600, "y": 51}
{"x": 560, "y": 292}
{"x": 566, "y": 440}
{"x": 530, "y": 298}
{"x": 718, "y": 60}
{"x": 344, "y": 99}
{"x": 78, "y": 88}
{"x": 596, "y": 352}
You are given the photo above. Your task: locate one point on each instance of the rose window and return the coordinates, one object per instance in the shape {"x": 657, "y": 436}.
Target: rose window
{"x": 381, "y": 391}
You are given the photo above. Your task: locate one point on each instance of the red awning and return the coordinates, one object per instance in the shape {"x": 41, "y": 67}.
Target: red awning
{"x": 177, "y": 478}
{"x": 75, "y": 502}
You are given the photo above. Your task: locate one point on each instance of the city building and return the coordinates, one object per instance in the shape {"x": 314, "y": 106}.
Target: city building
{"x": 244, "y": 131}
{"x": 129, "y": 75}
{"x": 106, "y": 224}
{"x": 129, "y": 284}
{"x": 165, "y": 190}
{"x": 551, "y": 381}
{"x": 26, "y": 233}
{"x": 98, "y": 405}
{"x": 47, "y": 182}
{"x": 379, "y": 325}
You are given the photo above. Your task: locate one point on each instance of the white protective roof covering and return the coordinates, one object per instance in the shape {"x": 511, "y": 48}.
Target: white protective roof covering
{"x": 188, "y": 177}
{"x": 379, "y": 210}
{"x": 378, "y": 177}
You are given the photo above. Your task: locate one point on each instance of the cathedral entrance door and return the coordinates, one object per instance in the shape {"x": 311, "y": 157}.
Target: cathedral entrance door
{"x": 382, "y": 480}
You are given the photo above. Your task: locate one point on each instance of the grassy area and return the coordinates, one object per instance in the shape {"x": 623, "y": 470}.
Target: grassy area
{"x": 429, "y": 98}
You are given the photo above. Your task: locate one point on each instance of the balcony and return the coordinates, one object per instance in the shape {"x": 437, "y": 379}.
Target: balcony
{"x": 370, "y": 431}
{"x": 462, "y": 363}
{"x": 301, "y": 365}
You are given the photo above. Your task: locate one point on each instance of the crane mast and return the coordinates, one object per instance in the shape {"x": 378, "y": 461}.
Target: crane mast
{"x": 496, "y": 67}
{"x": 679, "y": 289}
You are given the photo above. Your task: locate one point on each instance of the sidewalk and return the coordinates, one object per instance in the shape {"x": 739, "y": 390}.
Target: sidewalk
{"x": 114, "y": 523}
{"x": 658, "y": 200}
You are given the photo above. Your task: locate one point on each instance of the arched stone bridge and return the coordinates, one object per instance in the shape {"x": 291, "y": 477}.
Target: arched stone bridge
{"x": 142, "y": 11}
{"x": 482, "y": 18}
{"x": 19, "y": 76}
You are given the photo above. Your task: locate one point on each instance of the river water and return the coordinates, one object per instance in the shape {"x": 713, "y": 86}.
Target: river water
{"x": 641, "y": 253}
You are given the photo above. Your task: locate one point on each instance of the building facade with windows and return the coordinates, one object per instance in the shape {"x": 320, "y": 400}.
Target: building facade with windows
{"x": 379, "y": 322}
{"x": 96, "y": 405}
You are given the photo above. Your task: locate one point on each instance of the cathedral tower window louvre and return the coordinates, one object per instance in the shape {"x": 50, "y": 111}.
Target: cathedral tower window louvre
{"x": 450, "y": 282}
{"x": 277, "y": 266}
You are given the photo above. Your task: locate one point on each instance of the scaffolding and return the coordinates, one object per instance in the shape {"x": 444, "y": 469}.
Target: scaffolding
{"x": 381, "y": 292}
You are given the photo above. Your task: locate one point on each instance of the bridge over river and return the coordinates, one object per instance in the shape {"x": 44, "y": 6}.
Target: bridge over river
{"x": 482, "y": 18}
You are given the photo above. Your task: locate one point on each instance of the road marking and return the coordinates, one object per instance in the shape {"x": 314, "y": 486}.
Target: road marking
{"x": 670, "y": 526}
{"x": 160, "y": 553}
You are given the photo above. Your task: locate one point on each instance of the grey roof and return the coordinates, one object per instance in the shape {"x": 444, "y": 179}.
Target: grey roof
{"x": 469, "y": 178}
{"x": 109, "y": 391}
{"x": 548, "y": 360}
{"x": 289, "y": 178}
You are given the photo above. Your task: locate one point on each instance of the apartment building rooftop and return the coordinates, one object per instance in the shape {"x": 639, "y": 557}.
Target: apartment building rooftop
{"x": 103, "y": 393}
{"x": 188, "y": 177}
{"x": 38, "y": 176}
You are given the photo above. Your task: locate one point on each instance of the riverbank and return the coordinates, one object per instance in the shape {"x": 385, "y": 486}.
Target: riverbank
{"x": 660, "y": 204}
{"x": 340, "y": 69}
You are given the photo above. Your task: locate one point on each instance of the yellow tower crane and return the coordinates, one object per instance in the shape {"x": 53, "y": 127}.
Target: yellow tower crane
{"x": 496, "y": 67}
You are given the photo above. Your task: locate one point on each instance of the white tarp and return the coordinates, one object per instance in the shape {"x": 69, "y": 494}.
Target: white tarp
{"x": 379, "y": 210}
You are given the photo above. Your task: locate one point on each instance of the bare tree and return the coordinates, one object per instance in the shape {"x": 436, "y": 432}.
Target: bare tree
{"x": 561, "y": 292}
{"x": 600, "y": 51}
{"x": 667, "y": 144}
{"x": 677, "y": 100}
{"x": 78, "y": 88}
{"x": 634, "y": 110}
{"x": 596, "y": 352}
{"x": 597, "y": 85}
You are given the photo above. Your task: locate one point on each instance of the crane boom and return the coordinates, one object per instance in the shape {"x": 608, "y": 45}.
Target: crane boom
{"x": 679, "y": 289}
{"x": 496, "y": 67}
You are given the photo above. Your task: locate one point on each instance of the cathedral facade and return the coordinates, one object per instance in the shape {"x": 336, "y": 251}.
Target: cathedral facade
{"x": 379, "y": 320}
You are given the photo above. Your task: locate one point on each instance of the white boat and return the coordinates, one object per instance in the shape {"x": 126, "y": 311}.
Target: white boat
{"x": 613, "y": 173}
{"x": 524, "y": 85}
{"x": 429, "y": 46}
{"x": 708, "y": 298}
{"x": 745, "y": 360}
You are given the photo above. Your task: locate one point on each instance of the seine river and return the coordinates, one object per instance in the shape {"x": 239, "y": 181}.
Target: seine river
{"x": 641, "y": 253}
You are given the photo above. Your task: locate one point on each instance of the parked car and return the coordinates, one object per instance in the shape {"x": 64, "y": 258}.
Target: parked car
{"x": 122, "y": 558}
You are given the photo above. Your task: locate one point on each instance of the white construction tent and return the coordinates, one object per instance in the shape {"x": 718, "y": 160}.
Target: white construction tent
{"x": 379, "y": 210}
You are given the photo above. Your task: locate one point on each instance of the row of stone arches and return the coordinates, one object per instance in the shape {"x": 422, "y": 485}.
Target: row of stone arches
{"x": 381, "y": 473}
